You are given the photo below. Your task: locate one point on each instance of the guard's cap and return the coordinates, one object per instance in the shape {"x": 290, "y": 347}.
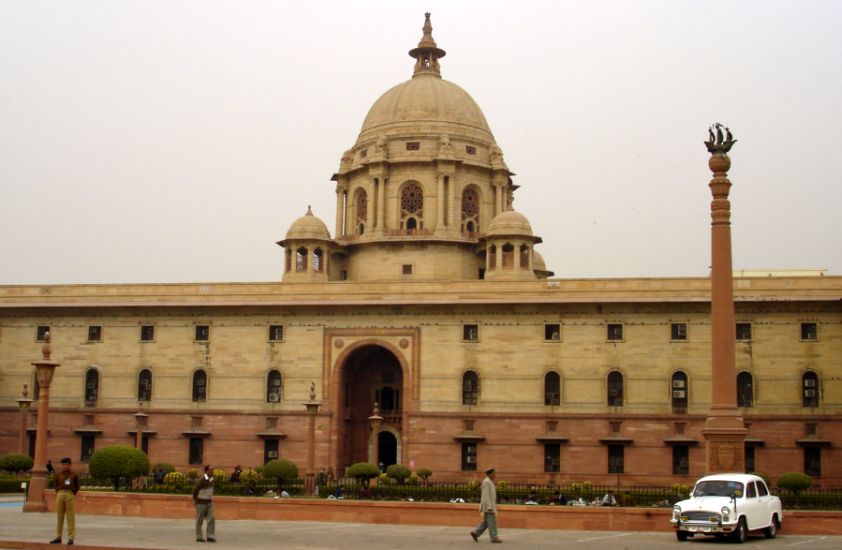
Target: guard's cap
{"x": 489, "y": 471}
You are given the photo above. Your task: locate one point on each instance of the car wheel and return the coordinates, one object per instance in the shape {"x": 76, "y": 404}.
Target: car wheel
{"x": 681, "y": 535}
{"x": 772, "y": 530}
{"x": 741, "y": 533}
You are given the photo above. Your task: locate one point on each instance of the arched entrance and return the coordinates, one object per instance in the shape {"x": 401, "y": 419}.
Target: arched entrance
{"x": 370, "y": 374}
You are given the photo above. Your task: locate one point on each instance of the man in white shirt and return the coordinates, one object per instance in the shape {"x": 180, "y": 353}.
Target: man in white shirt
{"x": 487, "y": 508}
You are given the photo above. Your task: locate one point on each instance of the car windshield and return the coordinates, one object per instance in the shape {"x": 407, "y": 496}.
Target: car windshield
{"x": 718, "y": 489}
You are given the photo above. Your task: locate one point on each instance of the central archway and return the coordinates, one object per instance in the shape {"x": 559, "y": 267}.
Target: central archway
{"x": 370, "y": 374}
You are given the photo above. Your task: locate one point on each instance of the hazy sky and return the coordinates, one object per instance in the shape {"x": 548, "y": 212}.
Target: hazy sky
{"x": 175, "y": 141}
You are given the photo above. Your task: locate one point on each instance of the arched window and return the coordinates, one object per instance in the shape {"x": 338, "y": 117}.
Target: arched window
{"x": 144, "y": 385}
{"x": 200, "y": 386}
{"x": 361, "y": 203}
{"x": 508, "y": 256}
{"x": 524, "y": 256}
{"x": 318, "y": 260}
{"x": 615, "y": 389}
{"x": 273, "y": 387}
{"x": 552, "y": 388}
{"x": 301, "y": 260}
{"x": 91, "y": 387}
{"x": 679, "y": 391}
{"x": 412, "y": 207}
{"x": 810, "y": 389}
{"x": 745, "y": 389}
{"x": 470, "y": 211}
{"x": 470, "y": 388}
{"x": 492, "y": 257}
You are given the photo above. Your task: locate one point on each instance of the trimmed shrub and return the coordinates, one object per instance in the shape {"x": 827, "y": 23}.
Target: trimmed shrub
{"x": 219, "y": 475}
{"x": 118, "y": 462}
{"x": 398, "y": 472}
{"x": 412, "y": 480}
{"x": 280, "y": 469}
{"x": 250, "y": 475}
{"x": 12, "y": 485}
{"x": 363, "y": 472}
{"x": 164, "y": 466}
{"x": 174, "y": 479}
{"x": 795, "y": 482}
{"x": 16, "y": 462}
{"x": 192, "y": 474}
{"x": 424, "y": 473}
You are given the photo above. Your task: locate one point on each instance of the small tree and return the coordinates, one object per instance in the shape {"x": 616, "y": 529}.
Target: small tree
{"x": 16, "y": 462}
{"x": 118, "y": 462}
{"x": 795, "y": 482}
{"x": 424, "y": 473}
{"x": 398, "y": 472}
{"x": 280, "y": 469}
{"x": 363, "y": 472}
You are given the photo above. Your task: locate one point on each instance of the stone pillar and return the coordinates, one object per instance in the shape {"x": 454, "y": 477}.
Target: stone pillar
{"x": 381, "y": 204}
{"x": 440, "y": 200}
{"x": 376, "y": 421}
{"x": 340, "y": 211}
{"x": 724, "y": 428}
{"x": 312, "y": 407}
{"x": 44, "y": 370}
{"x": 24, "y": 403}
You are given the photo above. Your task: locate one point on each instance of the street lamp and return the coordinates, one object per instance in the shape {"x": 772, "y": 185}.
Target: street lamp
{"x": 376, "y": 421}
{"x": 312, "y": 407}
{"x": 24, "y": 403}
{"x": 44, "y": 370}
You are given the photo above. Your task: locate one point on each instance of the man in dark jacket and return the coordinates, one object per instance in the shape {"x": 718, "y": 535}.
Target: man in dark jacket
{"x": 203, "y": 499}
{"x": 67, "y": 485}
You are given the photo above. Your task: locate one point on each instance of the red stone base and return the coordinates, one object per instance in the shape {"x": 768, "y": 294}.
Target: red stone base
{"x": 416, "y": 513}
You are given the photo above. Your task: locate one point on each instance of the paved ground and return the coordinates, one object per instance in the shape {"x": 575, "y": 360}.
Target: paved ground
{"x": 258, "y": 535}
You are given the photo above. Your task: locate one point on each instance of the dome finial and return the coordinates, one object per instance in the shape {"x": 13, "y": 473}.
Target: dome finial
{"x": 427, "y": 53}
{"x": 309, "y": 211}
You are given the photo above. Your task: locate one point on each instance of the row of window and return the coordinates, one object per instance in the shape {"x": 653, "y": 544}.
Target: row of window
{"x": 679, "y": 388}
{"x": 147, "y": 333}
{"x": 617, "y": 458}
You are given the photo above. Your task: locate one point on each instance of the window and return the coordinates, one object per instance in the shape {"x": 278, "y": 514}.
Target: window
{"x": 681, "y": 460}
{"x": 470, "y": 333}
{"x": 616, "y": 459}
{"x": 362, "y": 210}
{"x": 508, "y": 256}
{"x": 678, "y": 331}
{"x": 41, "y": 331}
{"x": 413, "y": 145}
{"x": 615, "y": 331}
{"x": 144, "y": 444}
{"x": 552, "y": 389}
{"x": 761, "y": 489}
{"x": 813, "y": 461}
{"x": 88, "y": 443}
{"x": 91, "y": 387}
{"x": 147, "y": 333}
{"x": 406, "y": 269}
{"x": 552, "y": 457}
{"x": 470, "y": 149}
{"x": 301, "y": 260}
{"x": 552, "y": 332}
{"x": 524, "y": 256}
{"x": 615, "y": 389}
{"x": 144, "y": 385}
{"x": 470, "y": 211}
{"x": 492, "y": 257}
{"x": 270, "y": 450}
{"x": 749, "y": 456}
{"x": 363, "y": 153}
{"x": 679, "y": 391}
{"x": 273, "y": 387}
{"x": 751, "y": 490}
{"x": 745, "y": 389}
{"x": 32, "y": 435}
{"x": 200, "y": 386}
{"x": 412, "y": 207}
{"x": 470, "y": 388}
{"x": 809, "y": 331}
{"x": 744, "y": 331}
{"x": 196, "y": 451}
{"x": 94, "y": 333}
{"x": 469, "y": 456}
{"x": 318, "y": 260}
{"x": 810, "y": 389}
{"x": 276, "y": 333}
{"x": 202, "y": 333}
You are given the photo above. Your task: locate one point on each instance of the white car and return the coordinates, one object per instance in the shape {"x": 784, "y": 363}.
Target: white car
{"x": 728, "y": 504}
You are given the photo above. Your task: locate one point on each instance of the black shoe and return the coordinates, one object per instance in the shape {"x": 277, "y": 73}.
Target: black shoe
{"x": 70, "y": 542}
{"x": 497, "y": 540}
{"x": 474, "y": 536}
{"x": 55, "y": 541}
{"x": 200, "y": 540}
{"x": 211, "y": 539}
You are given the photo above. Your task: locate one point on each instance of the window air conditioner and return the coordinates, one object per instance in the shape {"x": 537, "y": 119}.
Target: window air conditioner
{"x": 679, "y": 394}
{"x": 678, "y": 383}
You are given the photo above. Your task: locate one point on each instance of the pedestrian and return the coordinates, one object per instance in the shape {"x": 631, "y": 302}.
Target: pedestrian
{"x": 159, "y": 476}
{"x": 321, "y": 479}
{"x": 50, "y": 469}
{"x": 235, "y": 476}
{"x": 487, "y": 508}
{"x": 67, "y": 485}
{"x": 608, "y": 499}
{"x": 203, "y": 499}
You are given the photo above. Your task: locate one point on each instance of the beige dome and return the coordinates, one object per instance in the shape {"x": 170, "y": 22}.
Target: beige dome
{"x": 307, "y": 227}
{"x": 538, "y": 263}
{"x": 509, "y": 223}
{"x": 426, "y": 104}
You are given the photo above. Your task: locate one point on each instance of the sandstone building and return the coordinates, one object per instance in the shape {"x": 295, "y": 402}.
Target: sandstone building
{"x": 431, "y": 300}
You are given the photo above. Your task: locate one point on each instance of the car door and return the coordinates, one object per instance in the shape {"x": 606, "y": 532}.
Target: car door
{"x": 750, "y": 506}
{"x": 765, "y": 501}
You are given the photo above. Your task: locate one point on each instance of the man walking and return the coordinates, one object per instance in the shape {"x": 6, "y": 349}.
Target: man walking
{"x": 487, "y": 508}
{"x": 203, "y": 499}
{"x": 67, "y": 485}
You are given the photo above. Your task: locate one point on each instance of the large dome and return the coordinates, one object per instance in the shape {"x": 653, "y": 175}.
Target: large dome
{"x": 429, "y": 105}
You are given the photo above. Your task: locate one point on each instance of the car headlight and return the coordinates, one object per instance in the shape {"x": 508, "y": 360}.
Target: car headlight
{"x": 726, "y": 512}
{"x": 676, "y": 512}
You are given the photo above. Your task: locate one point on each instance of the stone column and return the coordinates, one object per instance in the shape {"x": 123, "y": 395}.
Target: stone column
{"x": 24, "y": 403}
{"x": 440, "y": 200}
{"x": 312, "y": 407}
{"x": 724, "y": 428}
{"x": 381, "y": 204}
{"x": 44, "y": 370}
{"x": 340, "y": 212}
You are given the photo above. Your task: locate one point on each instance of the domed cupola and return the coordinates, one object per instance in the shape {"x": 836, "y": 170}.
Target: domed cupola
{"x": 508, "y": 248}
{"x": 308, "y": 248}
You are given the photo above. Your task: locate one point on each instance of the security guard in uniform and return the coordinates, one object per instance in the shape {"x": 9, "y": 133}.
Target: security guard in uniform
{"x": 67, "y": 485}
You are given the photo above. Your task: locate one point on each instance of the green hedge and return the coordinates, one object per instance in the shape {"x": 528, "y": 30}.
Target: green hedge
{"x": 12, "y": 484}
